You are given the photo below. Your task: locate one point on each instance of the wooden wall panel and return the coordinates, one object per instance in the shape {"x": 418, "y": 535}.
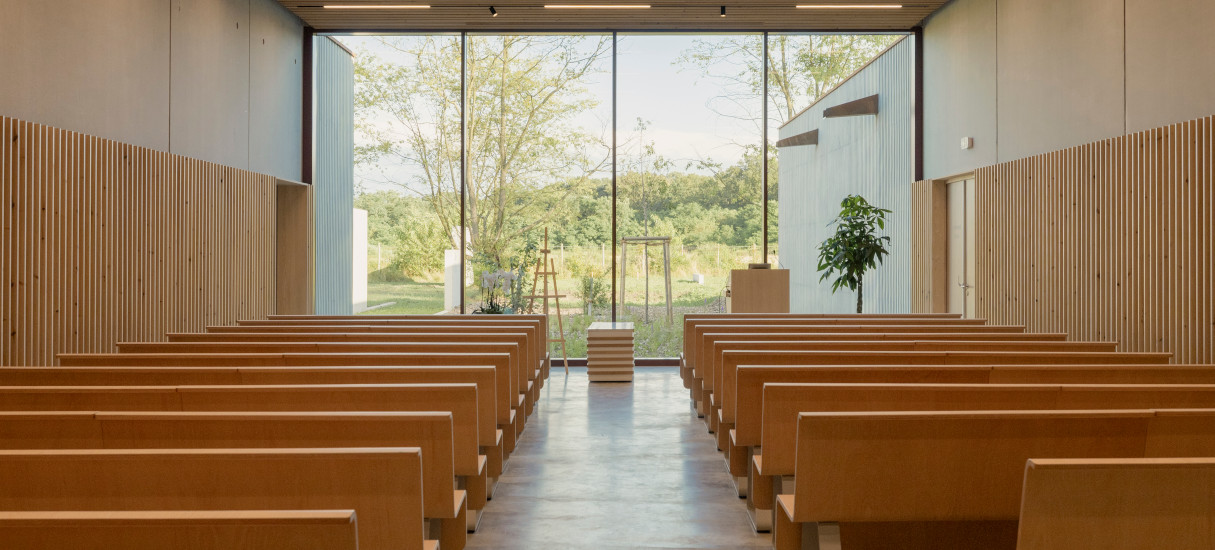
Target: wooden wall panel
{"x": 104, "y": 242}
{"x": 1106, "y": 241}
{"x": 929, "y": 252}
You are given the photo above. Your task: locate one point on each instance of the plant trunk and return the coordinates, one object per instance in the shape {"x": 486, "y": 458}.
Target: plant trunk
{"x": 860, "y": 295}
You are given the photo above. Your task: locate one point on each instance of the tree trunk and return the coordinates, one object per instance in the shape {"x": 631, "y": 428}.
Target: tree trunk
{"x": 860, "y": 295}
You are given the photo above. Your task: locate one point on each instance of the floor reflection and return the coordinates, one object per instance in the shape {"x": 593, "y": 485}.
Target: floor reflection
{"x": 616, "y": 465}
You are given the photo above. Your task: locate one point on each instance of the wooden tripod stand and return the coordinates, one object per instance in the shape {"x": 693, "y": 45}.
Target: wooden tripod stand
{"x": 546, "y": 268}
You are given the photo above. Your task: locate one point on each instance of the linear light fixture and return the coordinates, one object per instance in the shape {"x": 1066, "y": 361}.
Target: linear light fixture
{"x": 597, "y": 6}
{"x": 376, "y": 6}
{"x": 849, "y": 6}
{"x": 493, "y": 12}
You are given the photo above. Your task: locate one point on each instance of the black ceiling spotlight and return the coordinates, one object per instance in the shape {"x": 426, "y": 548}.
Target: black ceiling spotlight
{"x": 493, "y": 12}
{"x": 723, "y": 11}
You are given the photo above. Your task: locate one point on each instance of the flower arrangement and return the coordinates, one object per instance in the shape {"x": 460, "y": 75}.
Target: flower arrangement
{"x": 495, "y": 291}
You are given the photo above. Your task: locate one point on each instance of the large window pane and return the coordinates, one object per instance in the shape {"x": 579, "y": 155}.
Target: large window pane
{"x": 690, "y": 125}
{"x": 407, "y": 158}
{"x": 539, "y": 162}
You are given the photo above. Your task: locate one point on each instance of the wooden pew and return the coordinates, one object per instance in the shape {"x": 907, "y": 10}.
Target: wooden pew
{"x": 693, "y": 320}
{"x": 431, "y": 432}
{"x": 382, "y": 485}
{"x": 691, "y": 369}
{"x": 952, "y": 479}
{"x": 530, "y": 365}
{"x": 498, "y": 361}
{"x": 1118, "y": 504}
{"x": 709, "y": 340}
{"x": 751, "y": 381}
{"x": 782, "y": 403}
{"x": 537, "y": 356}
{"x": 731, "y": 359}
{"x": 538, "y": 320}
{"x": 482, "y": 377}
{"x": 719, "y": 348}
{"x": 189, "y": 530}
{"x": 524, "y": 398}
{"x": 458, "y": 399}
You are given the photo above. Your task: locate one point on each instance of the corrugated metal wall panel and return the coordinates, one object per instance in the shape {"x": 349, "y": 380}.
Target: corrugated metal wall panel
{"x": 867, "y": 155}
{"x": 333, "y": 180}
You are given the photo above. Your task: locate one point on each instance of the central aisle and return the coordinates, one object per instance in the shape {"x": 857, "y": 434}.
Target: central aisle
{"x": 616, "y": 465}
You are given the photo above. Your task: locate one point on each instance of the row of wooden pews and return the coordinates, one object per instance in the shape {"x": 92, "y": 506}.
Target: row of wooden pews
{"x": 915, "y": 431}
{"x": 385, "y": 432}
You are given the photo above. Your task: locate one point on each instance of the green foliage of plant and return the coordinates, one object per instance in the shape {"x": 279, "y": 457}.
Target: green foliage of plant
{"x": 593, "y": 290}
{"x": 855, "y": 247}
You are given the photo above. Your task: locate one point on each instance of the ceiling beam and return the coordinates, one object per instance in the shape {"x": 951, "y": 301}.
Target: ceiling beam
{"x": 669, "y": 15}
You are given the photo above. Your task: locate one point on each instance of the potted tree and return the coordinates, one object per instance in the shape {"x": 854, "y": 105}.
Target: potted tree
{"x": 855, "y": 247}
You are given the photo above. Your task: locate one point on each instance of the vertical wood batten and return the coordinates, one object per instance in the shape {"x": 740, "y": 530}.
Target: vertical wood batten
{"x": 102, "y": 241}
{"x": 1106, "y": 241}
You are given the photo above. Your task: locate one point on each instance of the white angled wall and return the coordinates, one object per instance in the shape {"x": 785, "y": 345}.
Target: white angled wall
{"x": 866, "y": 155}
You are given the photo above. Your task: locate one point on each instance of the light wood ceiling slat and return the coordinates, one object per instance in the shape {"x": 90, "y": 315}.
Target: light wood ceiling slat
{"x": 671, "y": 15}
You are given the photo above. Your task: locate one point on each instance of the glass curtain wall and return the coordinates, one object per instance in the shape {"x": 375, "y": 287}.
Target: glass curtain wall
{"x": 462, "y": 228}
{"x": 538, "y": 202}
{"x": 407, "y": 168}
{"x": 689, "y": 185}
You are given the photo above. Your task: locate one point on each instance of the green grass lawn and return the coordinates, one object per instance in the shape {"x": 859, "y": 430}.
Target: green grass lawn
{"x": 410, "y": 297}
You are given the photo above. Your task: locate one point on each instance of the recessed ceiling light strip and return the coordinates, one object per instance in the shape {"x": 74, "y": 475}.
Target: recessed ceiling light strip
{"x": 850, "y": 6}
{"x": 376, "y": 6}
{"x": 597, "y": 6}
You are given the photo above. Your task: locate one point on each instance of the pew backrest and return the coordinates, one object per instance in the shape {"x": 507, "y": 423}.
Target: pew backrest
{"x": 181, "y": 530}
{"x": 521, "y": 338}
{"x": 514, "y": 364}
{"x": 430, "y": 432}
{"x": 731, "y": 360}
{"x": 382, "y": 485}
{"x": 751, "y": 381}
{"x": 1118, "y": 504}
{"x": 693, "y": 338}
{"x": 458, "y": 399}
{"x": 499, "y": 361}
{"x": 491, "y": 402}
{"x": 783, "y": 403}
{"x": 713, "y": 374}
{"x": 534, "y": 335}
{"x": 950, "y": 466}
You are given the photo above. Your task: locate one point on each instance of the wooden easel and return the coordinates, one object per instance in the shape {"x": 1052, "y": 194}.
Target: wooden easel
{"x": 543, "y": 274}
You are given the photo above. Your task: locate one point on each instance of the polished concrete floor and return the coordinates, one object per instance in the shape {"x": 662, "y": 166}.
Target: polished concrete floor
{"x": 615, "y": 465}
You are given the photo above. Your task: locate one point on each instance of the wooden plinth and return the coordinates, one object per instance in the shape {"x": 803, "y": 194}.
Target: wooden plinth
{"x": 609, "y": 352}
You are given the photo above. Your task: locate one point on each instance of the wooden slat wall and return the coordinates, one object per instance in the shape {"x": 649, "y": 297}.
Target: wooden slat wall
{"x": 104, "y": 242}
{"x": 922, "y": 276}
{"x": 1107, "y": 241}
